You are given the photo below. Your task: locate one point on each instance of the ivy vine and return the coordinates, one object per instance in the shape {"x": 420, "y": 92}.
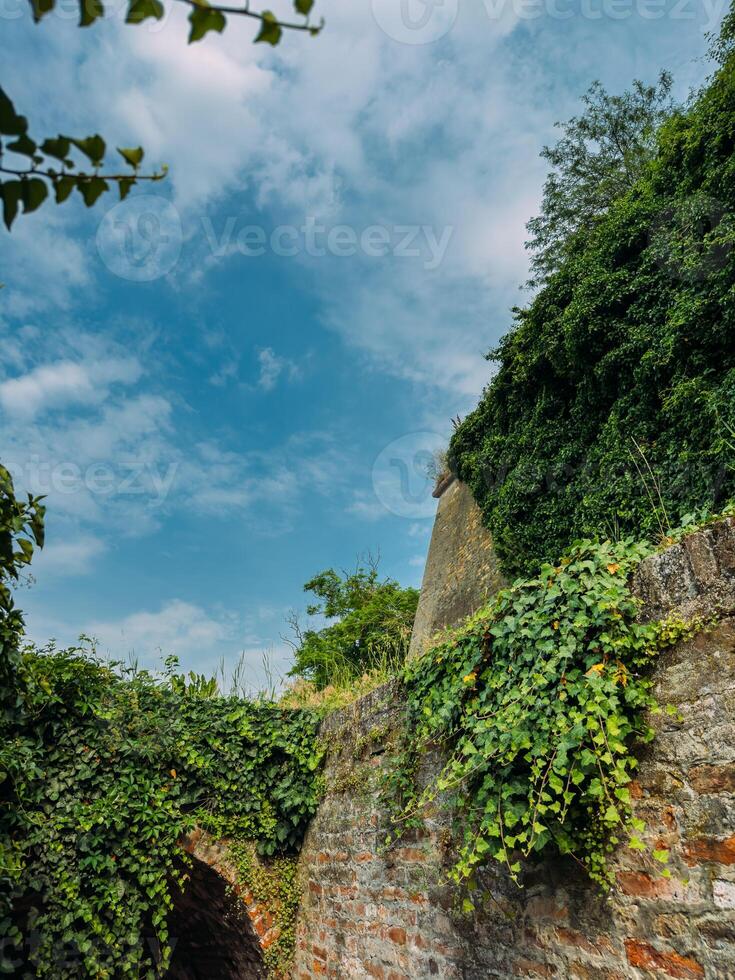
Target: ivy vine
{"x": 542, "y": 698}
{"x": 120, "y": 766}
{"x": 274, "y": 886}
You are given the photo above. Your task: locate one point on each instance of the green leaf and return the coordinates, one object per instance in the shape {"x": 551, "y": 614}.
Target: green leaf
{"x": 24, "y": 144}
{"x": 41, "y": 7}
{"x": 124, "y": 186}
{"x": 140, "y": 10}
{"x": 203, "y": 19}
{"x": 11, "y": 124}
{"x": 661, "y": 856}
{"x": 93, "y": 147}
{"x": 303, "y": 6}
{"x": 91, "y": 189}
{"x": 270, "y": 30}
{"x": 58, "y": 148}
{"x": 90, "y": 11}
{"x": 132, "y": 155}
{"x": 63, "y": 186}
{"x": 35, "y": 192}
{"x": 12, "y": 192}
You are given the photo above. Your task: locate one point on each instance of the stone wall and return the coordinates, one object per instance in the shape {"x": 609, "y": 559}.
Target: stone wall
{"x": 388, "y": 914}
{"x": 461, "y": 570}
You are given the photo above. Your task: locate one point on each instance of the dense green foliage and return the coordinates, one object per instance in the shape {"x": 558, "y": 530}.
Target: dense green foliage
{"x": 119, "y": 767}
{"x": 275, "y": 888}
{"x": 541, "y": 698}
{"x": 613, "y": 408}
{"x": 21, "y": 527}
{"x": 103, "y": 770}
{"x": 373, "y": 626}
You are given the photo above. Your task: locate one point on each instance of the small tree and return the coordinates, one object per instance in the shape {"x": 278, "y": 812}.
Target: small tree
{"x": 601, "y": 155}
{"x": 371, "y": 628}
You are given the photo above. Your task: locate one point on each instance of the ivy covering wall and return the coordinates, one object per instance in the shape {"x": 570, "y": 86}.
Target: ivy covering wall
{"x": 540, "y": 701}
{"x": 104, "y": 770}
{"x": 613, "y": 407}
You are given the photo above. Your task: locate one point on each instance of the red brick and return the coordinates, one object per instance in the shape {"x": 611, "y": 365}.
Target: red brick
{"x": 270, "y": 937}
{"x": 646, "y": 957}
{"x": 529, "y": 968}
{"x": 543, "y": 907}
{"x": 598, "y": 945}
{"x": 410, "y": 854}
{"x": 644, "y": 886}
{"x": 710, "y": 849}
{"x": 713, "y": 779}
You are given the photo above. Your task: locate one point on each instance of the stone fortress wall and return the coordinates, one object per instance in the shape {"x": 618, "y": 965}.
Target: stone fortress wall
{"x": 388, "y": 914}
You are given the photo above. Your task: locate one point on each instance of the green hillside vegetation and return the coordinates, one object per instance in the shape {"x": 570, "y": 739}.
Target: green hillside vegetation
{"x": 613, "y": 407}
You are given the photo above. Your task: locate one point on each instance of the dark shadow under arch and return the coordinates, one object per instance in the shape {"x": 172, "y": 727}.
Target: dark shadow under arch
{"x": 211, "y": 932}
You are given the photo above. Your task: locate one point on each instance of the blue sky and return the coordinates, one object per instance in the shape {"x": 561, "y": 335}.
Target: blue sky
{"x": 234, "y": 379}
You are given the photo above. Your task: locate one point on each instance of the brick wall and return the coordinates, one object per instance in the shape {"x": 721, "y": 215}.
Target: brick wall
{"x": 388, "y": 914}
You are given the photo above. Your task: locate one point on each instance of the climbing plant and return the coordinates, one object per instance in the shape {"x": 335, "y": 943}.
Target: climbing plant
{"x": 21, "y": 530}
{"x": 542, "y": 699}
{"x": 610, "y": 410}
{"x": 30, "y": 168}
{"x": 103, "y": 770}
{"x": 119, "y": 766}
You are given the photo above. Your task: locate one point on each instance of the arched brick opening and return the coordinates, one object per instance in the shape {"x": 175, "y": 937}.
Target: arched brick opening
{"x": 214, "y": 855}
{"x": 211, "y": 932}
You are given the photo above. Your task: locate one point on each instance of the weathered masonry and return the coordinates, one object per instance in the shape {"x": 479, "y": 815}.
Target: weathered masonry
{"x": 461, "y": 570}
{"x": 371, "y": 912}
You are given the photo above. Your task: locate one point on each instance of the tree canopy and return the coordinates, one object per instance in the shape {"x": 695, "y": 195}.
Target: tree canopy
{"x": 372, "y": 622}
{"x": 600, "y": 156}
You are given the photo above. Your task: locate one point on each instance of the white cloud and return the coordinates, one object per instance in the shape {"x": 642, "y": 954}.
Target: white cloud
{"x": 205, "y": 640}
{"x": 272, "y": 367}
{"x": 355, "y": 128}
{"x": 366, "y": 506}
{"x": 75, "y": 556}
{"x": 180, "y": 628}
{"x": 116, "y": 452}
{"x": 231, "y": 117}
{"x": 65, "y": 383}
{"x": 46, "y": 267}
